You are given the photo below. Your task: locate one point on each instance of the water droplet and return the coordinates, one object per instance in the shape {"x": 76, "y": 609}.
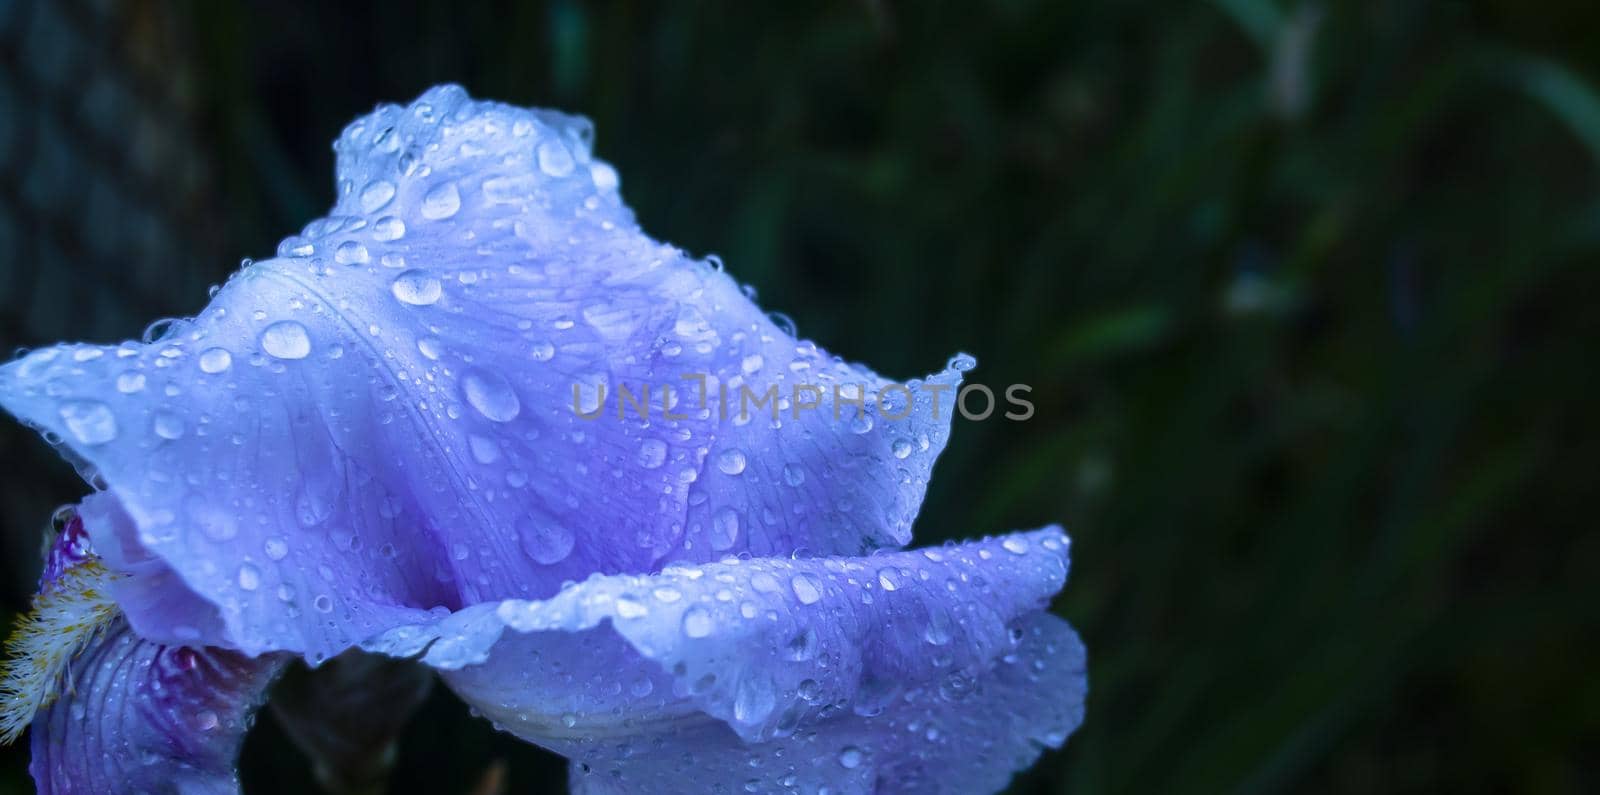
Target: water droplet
{"x": 484, "y": 449}
{"x": 544, "y": 542}
{"x": 805, "y": 589}
{"x": 901, "y": 448}
{"x": 850, "y": 758}
{"x": 1015, "y": 545}
{"x": 276, "y": 548}
{"x": 249, "y": 577}
{"x": 441, "y": 202}
{"x": 555, "y": 159}
{"x": 167, "y": 425}
{"x": 961, "y": 363}
{"x": 751, "y": 363}
{"x": 652, "y": 453}
{"x": 793, "y": 474}
{"x": 724, "y": 528}
{"x": 130, "y": 382}
{"x": 296, "y": 246}
{"x": 889, "y": 579}
{"x": 376, "y": 195}
{"x": 388, "y": 228}
{"x": 286, "y": 339}
{"x": 89, "y": 421}
{"x": 629, "y": 607}
{"x": 350, "y": 253}
{"x": 322, "y": 603}
{"x": 417, "y": 288}
{"x": 542, "y": 351}
{"x": 697, "y": 622}
{"x": 430, "y": 347}
{"x": 491, "y": 395}
{"x": 731, "y": 461}
{"x": 215, "y": 360}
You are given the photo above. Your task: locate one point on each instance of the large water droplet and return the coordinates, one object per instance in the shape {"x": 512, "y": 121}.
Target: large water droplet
{"x": 731, "y": 461}
{"x": 697, "y": 622}
{"x": 417, "y": 288}
{"x": 544, "y": 542}
{"x": 167, "y": 425}
{"x": 388, "y": 228}
{"x": 130, "y": 382}
{"x": 805, "y": 589}
{"x": 376, "y": 195}
{"x": 491, "y": 395}
{"x": 724, "y": 528}
{"x": 441, "y": 202}
{"x": 851, "y": 757}
{"x": 89, "y": 421}
{"x": 351, "y": 253}
{"x": 286, "y": 339}
{"x": 889, "y": 579}
{"x": 1015, "y": 545}
{"x": 555, "y": 159}
{"x": 249, "y": 577}
{"x": 215, "y": 360}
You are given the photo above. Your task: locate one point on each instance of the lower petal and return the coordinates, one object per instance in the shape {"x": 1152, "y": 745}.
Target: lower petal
{"x": 959, "y": 737}
{"x": 136, "y": 716}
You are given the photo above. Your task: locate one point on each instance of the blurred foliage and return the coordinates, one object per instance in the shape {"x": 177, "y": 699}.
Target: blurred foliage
{"x": 1301, "y": 290}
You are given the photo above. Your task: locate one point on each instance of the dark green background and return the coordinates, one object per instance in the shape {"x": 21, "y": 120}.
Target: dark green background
{"x": 1306, "y": 292}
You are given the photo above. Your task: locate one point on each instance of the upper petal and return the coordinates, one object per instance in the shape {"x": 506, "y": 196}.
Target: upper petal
{"x": 380, "y": 421}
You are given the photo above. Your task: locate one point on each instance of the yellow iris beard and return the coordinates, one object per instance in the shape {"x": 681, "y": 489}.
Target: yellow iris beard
{"x": 64, "y": 619}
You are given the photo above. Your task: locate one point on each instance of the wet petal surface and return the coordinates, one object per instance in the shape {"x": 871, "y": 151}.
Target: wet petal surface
{"x": 387, "y": 418}
{"x": 771, "y": 657}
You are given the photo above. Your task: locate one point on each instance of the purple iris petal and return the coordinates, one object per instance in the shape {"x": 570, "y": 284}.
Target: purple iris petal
{"x": 826, "y": 650}
{"x": 142, "y": 717}
{"x": 953, "y": 736}
{"x": 125, "y": 714}
{"x": 380, "y": 421}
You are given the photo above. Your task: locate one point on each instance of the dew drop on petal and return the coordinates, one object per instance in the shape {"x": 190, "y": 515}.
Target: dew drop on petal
{"x": 249, "y": 577}
{"x": 276, "y": 548}
{"x": 555, "y": 159}
{"x": 286, "y": 339}
{"x": 167, "y": 425}
{"x": 89, "y": 421}
{"x": 350, "y": 253}
{"x": 805, "y": 589}
{"x": 850, "y": 758}
{"x": 724, "y": 528}
{"x": 417, "y": 288}
{"x": 430, "y": 347}
{"x": 130, "y": 382}
{"x": 889, "y": 579}
{"x": 441, "y": 202}
{"x": 491, "y": 395}
{"x": 388, "y": 228}
{"x": 544, "y": 542}
{"x": 215, "y": 360}
{"x": 1015, "y": 545}
{"x": 731, "y": 461}
{"x": 376, "y": 195}
{"x": 697, "y": 622}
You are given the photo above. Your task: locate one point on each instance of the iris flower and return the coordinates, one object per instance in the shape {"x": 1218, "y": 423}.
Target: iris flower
{"x": 398, "y": 437}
